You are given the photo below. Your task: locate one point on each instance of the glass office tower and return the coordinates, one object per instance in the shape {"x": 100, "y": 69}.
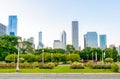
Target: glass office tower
{"x": 12, "y": 26}
{"x": 103, "y": 43}
{"x": 75, "y": 35}
{"x": 91, "y": 40}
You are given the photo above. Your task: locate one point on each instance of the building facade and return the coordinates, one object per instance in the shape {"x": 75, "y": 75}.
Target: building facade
{"x": 91, "y": 40}
{"x": 12, "y": 25}
{"x": 40, "y": 44}
{"x": 75, "y": 34}
{"x": 31, "y": 40}
{"x": 57, "y": 44}
{"x": 103, "y": 42}
{"x": 63, "y": 39}
{"x": 3, "y": 29}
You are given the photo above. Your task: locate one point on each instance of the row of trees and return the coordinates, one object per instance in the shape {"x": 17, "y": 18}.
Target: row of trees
{"x": 8, "y": 45}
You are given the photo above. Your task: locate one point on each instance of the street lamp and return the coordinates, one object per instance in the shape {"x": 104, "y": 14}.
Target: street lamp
{"x": 19, "y": 45}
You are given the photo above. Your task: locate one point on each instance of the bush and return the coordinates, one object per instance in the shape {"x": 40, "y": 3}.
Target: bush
{"x": 26, "y": 65}
{"x": 77, "y": 65}
{"x": 108, "y": 60}
{"x": 7, "y": 65}
{"x": 115, "y": 67}
{"x": 89, "y": 64}
{"x": 11, "y": 58}
{"x": 101, "y": 66}
{"x": 73, "y": 57}
{"x": 46, "y": 66}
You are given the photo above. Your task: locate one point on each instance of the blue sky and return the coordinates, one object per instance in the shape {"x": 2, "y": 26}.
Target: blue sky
{"x": 53, "y": 16}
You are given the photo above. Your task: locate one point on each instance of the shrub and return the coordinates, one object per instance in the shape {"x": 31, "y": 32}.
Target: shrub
{"x": 89, "y": 64}
{"x": 77, "y": 65}
{"x": 101, "y": 66}
{"x": 46, "y": 66}
{"x": 7, "y": 65}
{"x": 115, "y": 67}
{"x": 108, "y": 60}
{"x": 73, "y": 57}
{"x": 11, "y": 58}
{"x": 69, "y": 62}
{"x": 26, "y": 65}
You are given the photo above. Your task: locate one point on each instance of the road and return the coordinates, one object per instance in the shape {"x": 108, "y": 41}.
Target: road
{"x": 58, "y": 76}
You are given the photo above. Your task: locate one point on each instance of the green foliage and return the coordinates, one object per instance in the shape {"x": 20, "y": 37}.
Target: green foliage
{"x": 101, "y": 66}
{"x": 7, "y": 65}
{"x": 11, "y": 58}
{"x": 7, "y": 46}
{"x": 46, "y": 66}
{"x": 70, "y": 48}
{"x": 28, "y": 57}
{"x": 115, "y": 67}
{"x": 76, "y": 65}
{"x": 73, "y": 57}
{"x": 108, "y": 60}
{"x": 27, "y": 47}
{"x": 89, "y": 64}
{"x": 26, "y": 65}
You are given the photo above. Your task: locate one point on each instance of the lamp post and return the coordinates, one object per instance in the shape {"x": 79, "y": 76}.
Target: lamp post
{"x": 17, "y": 66}
{"x": 43, "y": 56}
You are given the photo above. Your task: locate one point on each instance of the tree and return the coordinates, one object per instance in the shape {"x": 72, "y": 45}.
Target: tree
{"x": 115, "y": 54}
{"x": 8, "y": 45}
{"x": 27, "y": 47}
{"x": 70, "y": 48}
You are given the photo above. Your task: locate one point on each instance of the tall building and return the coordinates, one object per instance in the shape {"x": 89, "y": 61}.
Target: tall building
{"x": 103, "y": 43}
{"x": 3, "y": 29}
{"x": 31, "y": 40}
{"x": 12, "y": 26}
{"x": 63, "y": 39}
{"x": 91, "y": 39}
{"x": 40, "y": 44}
{"x": 75, "y": 35}
{"x": 57, "y": 44}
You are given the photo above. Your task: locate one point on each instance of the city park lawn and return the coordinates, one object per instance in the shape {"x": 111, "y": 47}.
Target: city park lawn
{"x": 58, "y": 69}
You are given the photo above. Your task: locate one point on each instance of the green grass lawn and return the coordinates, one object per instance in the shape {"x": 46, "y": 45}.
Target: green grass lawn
{"x": 58, "y": 69}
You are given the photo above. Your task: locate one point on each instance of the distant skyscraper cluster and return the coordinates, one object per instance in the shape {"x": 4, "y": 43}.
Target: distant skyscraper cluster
{"x": 60, "y": 43}
{"x": 90, "y": 38}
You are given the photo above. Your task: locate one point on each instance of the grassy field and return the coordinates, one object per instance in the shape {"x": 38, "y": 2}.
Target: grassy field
{"x": 58, "y": 69}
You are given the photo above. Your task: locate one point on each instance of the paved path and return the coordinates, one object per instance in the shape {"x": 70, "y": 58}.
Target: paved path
{"x": 59, "y": 76}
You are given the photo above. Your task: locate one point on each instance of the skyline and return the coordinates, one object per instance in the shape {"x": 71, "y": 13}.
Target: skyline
{"x": 49, "y": 16}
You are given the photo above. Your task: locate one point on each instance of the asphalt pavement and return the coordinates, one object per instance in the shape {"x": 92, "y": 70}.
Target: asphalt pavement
{"x": 59, "y": 76}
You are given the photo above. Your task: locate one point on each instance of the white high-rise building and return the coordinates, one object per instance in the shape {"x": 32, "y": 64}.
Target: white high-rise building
{"x": 31, "y": 40}
{"x": 75, "y": 34}
{"x": 57, "y": 44}
{"x": 63, "y": 39}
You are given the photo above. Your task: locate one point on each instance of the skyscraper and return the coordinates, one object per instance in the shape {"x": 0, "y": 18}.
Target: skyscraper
{"x": 63, "y": 39}
{"x": 103, "y": 43}
{"x": 12, "y": 26}
{"x": 31, "y": 40}
{"x": 40, "y": 44}
{"x": 91, "y": 39}
{"x": 3, "y": 29}
{"x": 75, "y": 35}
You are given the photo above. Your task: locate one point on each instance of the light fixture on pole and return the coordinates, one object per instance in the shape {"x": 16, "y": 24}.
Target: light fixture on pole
{"x": 17, "y": 67}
